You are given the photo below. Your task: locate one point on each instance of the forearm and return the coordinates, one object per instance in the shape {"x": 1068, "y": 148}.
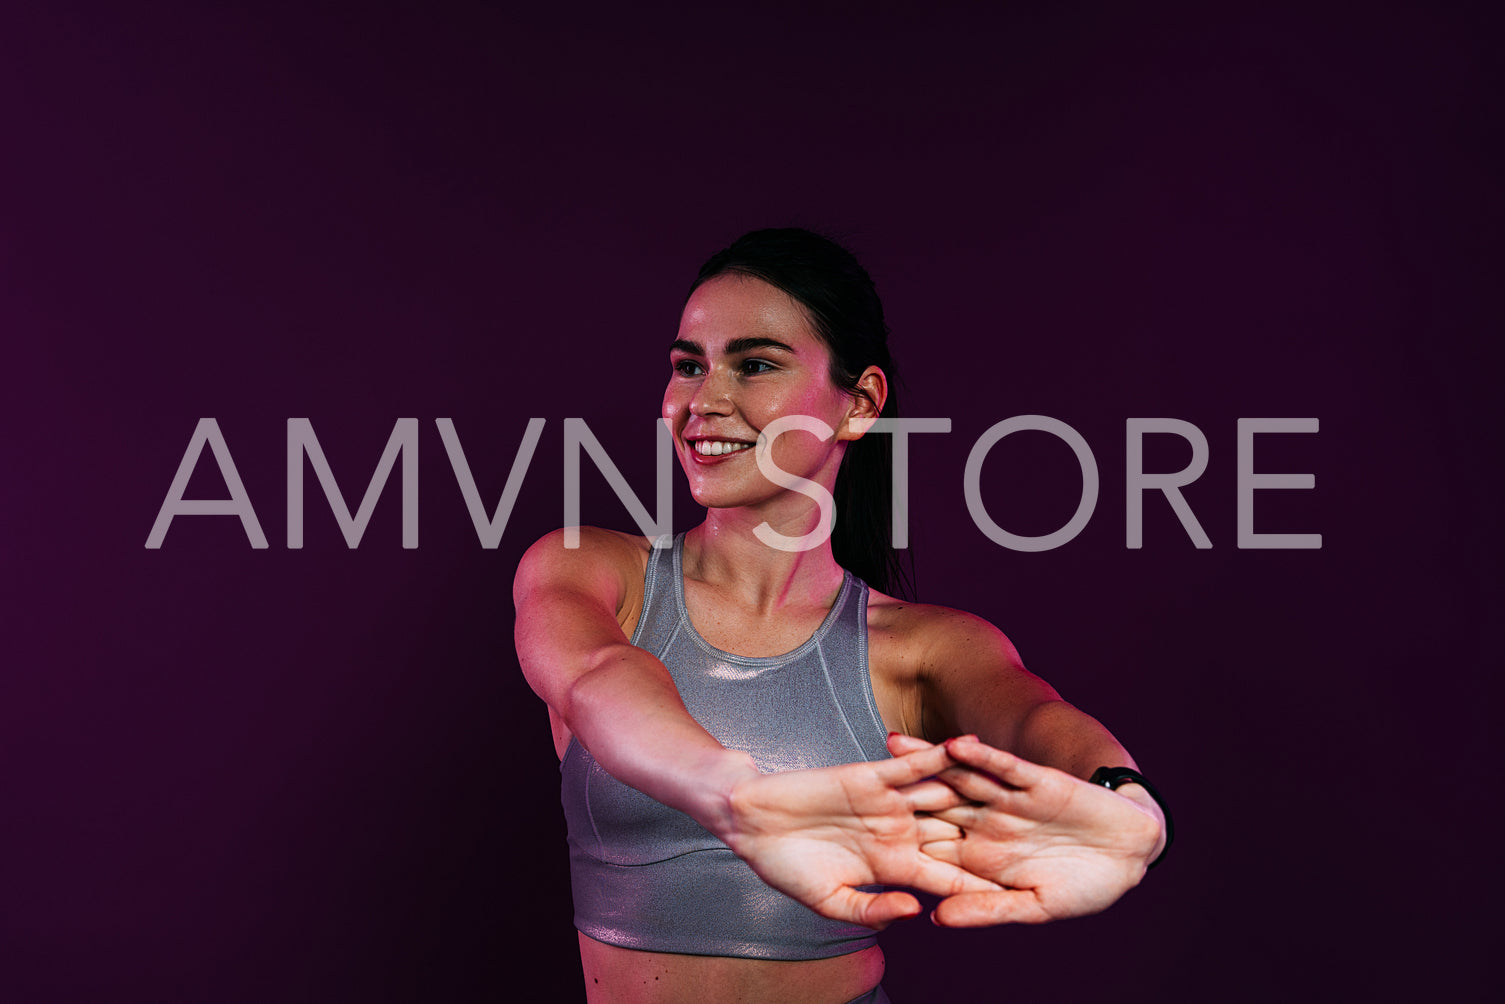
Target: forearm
{"x": 618, "y": 700}
{"x": 1056, "y": 734}
{"x": 627, "y": 712}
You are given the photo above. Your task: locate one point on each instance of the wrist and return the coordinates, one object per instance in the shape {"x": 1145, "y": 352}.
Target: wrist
{"x": 715, "y": 777}
{"x": 1130, "y": 784}
{"x": 1137, "y": 794}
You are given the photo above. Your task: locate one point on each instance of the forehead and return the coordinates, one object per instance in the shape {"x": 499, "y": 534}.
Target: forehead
{"x": 739, "y": 306}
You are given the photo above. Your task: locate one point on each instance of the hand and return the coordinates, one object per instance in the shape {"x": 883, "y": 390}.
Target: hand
{"x": 815, "y": 834}
{"x": 1059, "y": 846}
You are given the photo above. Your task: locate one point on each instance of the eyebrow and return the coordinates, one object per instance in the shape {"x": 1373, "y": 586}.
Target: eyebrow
{"x": 736, "y": 346}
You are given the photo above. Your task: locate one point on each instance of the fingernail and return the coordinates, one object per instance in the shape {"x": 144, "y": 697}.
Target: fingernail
{"x": 933, "y": 920}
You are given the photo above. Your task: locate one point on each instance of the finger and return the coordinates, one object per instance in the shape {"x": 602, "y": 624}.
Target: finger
{"x": 944, "y": 878}
{"x": 974, "y": 785}
{"x": 899, "y": 744}
{"x": 964, "y": 817}
{"x": 932, "y": 796}
{"x": 933, "y": 830}
{"x": 982, "y": 909}
{"x": 1001, "y": 862}
{"x": 875, "y": 910}
{"x": 911, "y": 767}
{"x": 945, "y": 851}
{"x": 1004, "y": 766}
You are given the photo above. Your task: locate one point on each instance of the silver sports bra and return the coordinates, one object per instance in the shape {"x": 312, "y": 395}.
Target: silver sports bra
{"x": 649, "y": 877}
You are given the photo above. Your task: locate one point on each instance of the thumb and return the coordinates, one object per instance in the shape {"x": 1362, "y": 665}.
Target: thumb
{"x": 984, "y": 909}
{"x": 870, "y": 909}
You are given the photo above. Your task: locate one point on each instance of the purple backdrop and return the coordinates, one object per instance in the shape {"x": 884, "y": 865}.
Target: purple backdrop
{"x": 239, "y": 775}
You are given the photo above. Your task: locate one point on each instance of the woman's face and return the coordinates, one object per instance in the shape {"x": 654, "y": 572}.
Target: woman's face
{"x": 746, "y": 355}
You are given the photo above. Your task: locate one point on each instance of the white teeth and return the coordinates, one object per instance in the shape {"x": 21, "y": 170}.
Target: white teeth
{"x": 717, "y": 447}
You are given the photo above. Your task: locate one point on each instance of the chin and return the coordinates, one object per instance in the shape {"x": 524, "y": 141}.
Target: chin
{"x": 714, "y": 500}
{"x": 722, "y": 496}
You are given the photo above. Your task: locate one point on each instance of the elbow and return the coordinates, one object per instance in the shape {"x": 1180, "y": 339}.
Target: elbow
{"x": 595, "y": 690}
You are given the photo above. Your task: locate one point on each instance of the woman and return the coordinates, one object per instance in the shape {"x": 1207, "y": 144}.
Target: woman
{"x": 725, "y": 704}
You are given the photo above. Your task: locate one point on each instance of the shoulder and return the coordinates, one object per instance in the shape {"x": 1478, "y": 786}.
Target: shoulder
{"x": 600, "y": 561}
{"x": 931, "y": 637}
{"x": 964, "y": 673}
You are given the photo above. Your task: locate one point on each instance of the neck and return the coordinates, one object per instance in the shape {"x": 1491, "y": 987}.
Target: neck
{"x": 725, "y": 552}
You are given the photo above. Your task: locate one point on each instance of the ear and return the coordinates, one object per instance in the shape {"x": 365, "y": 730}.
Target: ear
{"x": 868, "y": 398}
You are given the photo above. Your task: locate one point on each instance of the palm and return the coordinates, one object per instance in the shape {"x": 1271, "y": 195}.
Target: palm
{"x": 817, "y": 834}
{"x": 1061, "y": 847}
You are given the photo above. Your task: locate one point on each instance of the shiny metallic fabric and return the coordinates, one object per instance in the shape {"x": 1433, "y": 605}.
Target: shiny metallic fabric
{"x": 650, "y": 878}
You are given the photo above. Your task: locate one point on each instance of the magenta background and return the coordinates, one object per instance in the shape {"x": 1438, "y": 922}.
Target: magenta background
{"x": 235, "y": 775}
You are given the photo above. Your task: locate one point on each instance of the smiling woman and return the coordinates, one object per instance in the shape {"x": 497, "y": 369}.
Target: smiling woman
{"x": 728, "y": 385}
{"x": 751, "y": 737}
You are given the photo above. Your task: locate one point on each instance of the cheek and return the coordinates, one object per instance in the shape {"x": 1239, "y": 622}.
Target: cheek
{"x": 800, "y": 451}
{"x": 671, "y": 407}
{"x": 821, "y": 402}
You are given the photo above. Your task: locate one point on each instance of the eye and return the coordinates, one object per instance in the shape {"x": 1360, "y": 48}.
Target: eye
{"x": 688, "y": 367}
{"x": 753, "y": 367}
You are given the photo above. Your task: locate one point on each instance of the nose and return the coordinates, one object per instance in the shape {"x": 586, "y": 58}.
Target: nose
{"x": 713, "y": 395}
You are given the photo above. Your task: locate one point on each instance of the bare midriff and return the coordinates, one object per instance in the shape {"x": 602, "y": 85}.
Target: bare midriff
{"x": 625, "y": 976}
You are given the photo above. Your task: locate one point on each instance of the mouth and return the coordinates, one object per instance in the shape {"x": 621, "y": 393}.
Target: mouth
{"x": 718, "y": 447}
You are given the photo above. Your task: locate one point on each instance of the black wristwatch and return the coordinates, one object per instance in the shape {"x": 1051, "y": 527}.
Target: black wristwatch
{"x": 1114, "y": 777}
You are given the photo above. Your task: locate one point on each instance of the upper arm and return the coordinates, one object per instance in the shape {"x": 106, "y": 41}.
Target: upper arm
{"x": 568, "y": 602}
{"x": 973, "y": 682}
